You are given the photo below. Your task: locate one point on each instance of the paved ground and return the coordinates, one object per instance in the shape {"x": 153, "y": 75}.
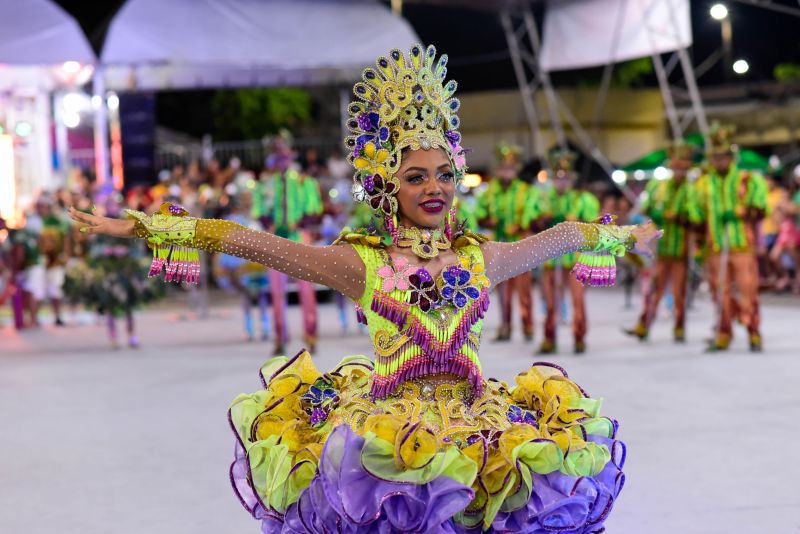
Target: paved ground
{"x": 136, "y": 441}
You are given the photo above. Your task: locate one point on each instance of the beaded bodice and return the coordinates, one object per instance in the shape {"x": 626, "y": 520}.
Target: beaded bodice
{"x": 421, "y": 324}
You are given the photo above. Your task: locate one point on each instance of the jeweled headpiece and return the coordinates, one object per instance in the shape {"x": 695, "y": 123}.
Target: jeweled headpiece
{"x": 680, "y": 150}
{"x": 403, "y": 103}
{"x": 561, "y": 161}
{"x": 721, "y": 138}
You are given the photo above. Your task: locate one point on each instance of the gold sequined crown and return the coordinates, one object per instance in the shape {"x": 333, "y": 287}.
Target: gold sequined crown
{"x": 680, "y": 150}
{"x": 561, "y": 160}
{"x": 721, "y": 138}
{"x": 403, "y": 103}
{"x": 507, "y": 154}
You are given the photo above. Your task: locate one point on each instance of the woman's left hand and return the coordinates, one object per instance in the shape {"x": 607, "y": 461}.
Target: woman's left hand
{"x": 645, "y": 234}
{"x": 97, "y": 224}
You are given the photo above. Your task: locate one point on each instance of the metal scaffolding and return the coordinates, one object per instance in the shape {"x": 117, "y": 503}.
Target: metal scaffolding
{"x": 524, "y": 45}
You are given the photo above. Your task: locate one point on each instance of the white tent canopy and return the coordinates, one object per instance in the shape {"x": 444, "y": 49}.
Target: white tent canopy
{"x": 38, "y": 32}
{"x": 155, "y": 44}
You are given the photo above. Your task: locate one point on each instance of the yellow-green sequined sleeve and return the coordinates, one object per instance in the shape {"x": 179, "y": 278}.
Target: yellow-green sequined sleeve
{"x": 599, "y": 244}
{"x": 175, "y": 238}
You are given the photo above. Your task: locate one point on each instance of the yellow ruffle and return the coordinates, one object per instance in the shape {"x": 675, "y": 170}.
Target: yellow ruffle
{"x": 422, "y": 432}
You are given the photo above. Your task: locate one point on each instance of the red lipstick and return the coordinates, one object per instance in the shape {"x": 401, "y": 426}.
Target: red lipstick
{"x": 432, "y": 206}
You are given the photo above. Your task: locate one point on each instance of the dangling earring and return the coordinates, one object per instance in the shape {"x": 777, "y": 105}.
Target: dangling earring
{"x": 449, "y": 222}
{"x": 391, "y": 226}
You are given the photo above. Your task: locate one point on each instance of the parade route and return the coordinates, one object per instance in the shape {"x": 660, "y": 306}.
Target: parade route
{"x": 137, "y": 441}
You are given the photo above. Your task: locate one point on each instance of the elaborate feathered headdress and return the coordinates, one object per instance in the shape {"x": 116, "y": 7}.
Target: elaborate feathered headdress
{"x": 721, "y": 138}
{"x": 680, "y": 150}
{"x": 403, "y": 103}
{"x": 507, "y": 154}
{"x": 561, "y": 161}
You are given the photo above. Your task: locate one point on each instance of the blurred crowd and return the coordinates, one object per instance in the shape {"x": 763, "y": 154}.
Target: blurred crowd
{"x": 35, "y": 258}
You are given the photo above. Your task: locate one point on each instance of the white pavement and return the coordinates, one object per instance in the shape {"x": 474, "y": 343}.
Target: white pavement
{"x": 137, "y": 441}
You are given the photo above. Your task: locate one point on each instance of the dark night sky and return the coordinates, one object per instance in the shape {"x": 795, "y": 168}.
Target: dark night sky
{"x": 479, "y": 58}
{"x": 476, "y": 44}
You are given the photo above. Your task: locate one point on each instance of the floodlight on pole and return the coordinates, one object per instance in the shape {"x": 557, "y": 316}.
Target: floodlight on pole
{"x": 719, "y": 12}
{"x": 740, "y": 66}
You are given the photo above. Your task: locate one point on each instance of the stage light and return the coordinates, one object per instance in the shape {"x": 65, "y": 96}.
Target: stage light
{"x": 661, "y": 173}
{"x": 113, "y": 101}
{"x": 471, "y": 180}
{"x": 740, "y": 66}
{"x": 71, "y": 67}
{"x": 76, "y": 102}
{"x": 97, "y": 101}
{"x": 71, "y": 119}
{"x": 23, "y": 129}
{"x": 542, "y": 176}
{"x": 619, "y": 176}
{"x": 639, "y": 175}
{"x": 719, "y": 11}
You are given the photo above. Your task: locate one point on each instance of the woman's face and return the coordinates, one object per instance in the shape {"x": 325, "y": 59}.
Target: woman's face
{"x": 427, "y": 188}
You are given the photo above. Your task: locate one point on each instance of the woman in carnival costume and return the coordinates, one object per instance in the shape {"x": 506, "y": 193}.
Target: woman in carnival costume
{"x": 415, "y": 440}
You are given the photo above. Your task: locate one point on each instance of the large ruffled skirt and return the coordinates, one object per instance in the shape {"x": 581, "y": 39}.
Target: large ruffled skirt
{"x": 314, "y": 453}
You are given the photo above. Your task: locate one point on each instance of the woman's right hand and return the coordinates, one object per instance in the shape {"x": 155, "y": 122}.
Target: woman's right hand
{"x": 96, "y": 224}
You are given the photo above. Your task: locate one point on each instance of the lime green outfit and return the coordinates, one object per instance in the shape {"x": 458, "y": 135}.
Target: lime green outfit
{"x": 281, "y": 199}
{"x": 573, "y": 205}
{"x": 503, "y": 208}
{"x": 533, "y": 208}
{"x": 672, "y": 206}
{"x": 723, "y": 204}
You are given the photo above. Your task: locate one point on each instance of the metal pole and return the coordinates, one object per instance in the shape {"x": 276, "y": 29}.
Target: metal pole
{"x": 666, "y": 94}
{"x": 544, "y": 76}
{"x": 694, "y": 92}
{"x": 524, "y": 87}
{"x": 101, "y": 160}
{"x": 780, "y": 8}
{"x": 62, "y": 139}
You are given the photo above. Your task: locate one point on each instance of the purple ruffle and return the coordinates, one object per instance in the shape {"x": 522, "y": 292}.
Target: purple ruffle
{"x": 569, "y": 505}
{"x": 345, "y": 498}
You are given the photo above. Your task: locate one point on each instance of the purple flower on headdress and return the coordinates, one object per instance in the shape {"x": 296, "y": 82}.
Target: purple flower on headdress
{"x": 368, "y": 123}
{"x": 423, "y": 290}
{"x": 364, "y": 122}
{"x": 457, "y": 286}
{"x": 382, "y": 194}
{"x": 369, "y": 183}
{"x": 607, "y": 218}
{"x": 459, "y": 154}
{"x": 453, "y": 138}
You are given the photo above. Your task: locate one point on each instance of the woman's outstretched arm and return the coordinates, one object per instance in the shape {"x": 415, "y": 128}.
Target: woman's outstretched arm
{"x": 336, "y": 266}
{"x": 507, "y": 260}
